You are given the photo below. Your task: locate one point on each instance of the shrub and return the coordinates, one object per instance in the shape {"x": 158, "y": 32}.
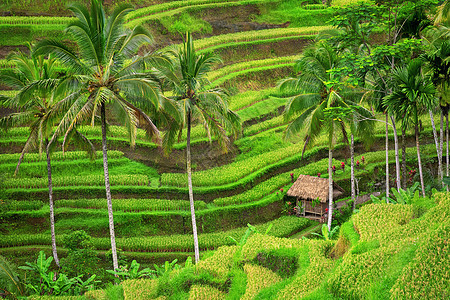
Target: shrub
{"x": 81, "y": 258}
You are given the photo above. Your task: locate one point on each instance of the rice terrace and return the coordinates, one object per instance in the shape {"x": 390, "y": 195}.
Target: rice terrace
{"x": 224, "y": 149}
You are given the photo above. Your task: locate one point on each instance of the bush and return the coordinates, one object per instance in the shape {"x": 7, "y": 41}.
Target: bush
{"x": 81, "y": 258}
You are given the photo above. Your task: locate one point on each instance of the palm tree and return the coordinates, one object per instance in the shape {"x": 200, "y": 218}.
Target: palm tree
{"x": 413, "y": 94}
{"x": 380, "y": 86}
{"x": 105, "y": 76}
{"x": 188, "y": 86}
{"x": 320, "y": 96}
{"x": 438, "y": 63}
{"x": 443, "y": 14}
{"x": 35, "y": 78}
{"x": 361, "y": 123}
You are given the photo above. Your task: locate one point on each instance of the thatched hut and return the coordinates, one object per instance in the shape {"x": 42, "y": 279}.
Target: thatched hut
{"x": 312, "y": 194}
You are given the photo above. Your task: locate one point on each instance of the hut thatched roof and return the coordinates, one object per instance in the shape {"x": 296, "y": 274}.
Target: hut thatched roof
{"x": 311, "y": 187}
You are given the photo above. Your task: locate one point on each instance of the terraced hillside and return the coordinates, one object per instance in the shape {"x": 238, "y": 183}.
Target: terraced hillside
{"x": 245, "y": 185}
{"x": 384, "y": 252}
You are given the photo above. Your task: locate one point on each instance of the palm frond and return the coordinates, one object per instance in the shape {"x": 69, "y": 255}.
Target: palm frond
{"x": 298, "y": 123}
{"x": 82, "y": 141}
{"x": 299, "y": 103}
{"x": 114, "y": 29}
{"x": 63, "y": 53}
{"x": 12, "y": 79}
{"x": 144, "y": 121}
{"x": 140, "y": 86}
{"x": 85, "y": 43}
{"x": 136, "y": 38}
{"x": 16, "y": 119}
{"x": 31, "y": 143}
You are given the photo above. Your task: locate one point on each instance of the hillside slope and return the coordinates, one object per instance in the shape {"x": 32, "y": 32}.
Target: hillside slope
{"x": 385, "y": 251}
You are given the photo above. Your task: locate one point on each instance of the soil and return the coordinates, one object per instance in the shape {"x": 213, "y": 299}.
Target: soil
{"x": 257, "y": 80}
{"x": 223, "y": 20}
{"x": 241, "y": 53}
{"x": 204, "y": 156}
{"x": 5, "y": 50}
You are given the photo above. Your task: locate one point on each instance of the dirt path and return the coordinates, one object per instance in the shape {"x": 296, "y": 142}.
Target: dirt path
{"x": 359, "y": 200}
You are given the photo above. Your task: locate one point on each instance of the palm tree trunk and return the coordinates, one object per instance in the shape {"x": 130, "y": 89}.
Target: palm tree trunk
{"x": 387, "y": 157}
{"x": 446, "y": 151}
{"x": 50, "y": 197}
{"x": 441, "y": 142}
{"x": 352, "y": 169}
{"x": 436, "y": 142}
{"x": 330, "y": 187}
{"x": 18, "y": 164}
{"x": 397, "y": 158}
{"x": 108, "y": 189}
{"x": 330, "y": 178}
{"x": 416, "y": 129}
{"x": 404, "y": 171}
{"x": 191, "y": 193}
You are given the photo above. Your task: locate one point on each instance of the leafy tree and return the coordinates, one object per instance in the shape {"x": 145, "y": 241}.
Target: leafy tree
{"x": 413, "y": 95}
{"x": 190, "y": 94}
{"x": 320, "y": 98}
{"x": 81, "y": 257}
{"x": 106, "y": 76}
{"x": 357, "y": 23}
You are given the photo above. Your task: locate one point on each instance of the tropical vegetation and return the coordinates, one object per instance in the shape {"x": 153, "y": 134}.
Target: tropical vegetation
{"x": 205, "y": 114}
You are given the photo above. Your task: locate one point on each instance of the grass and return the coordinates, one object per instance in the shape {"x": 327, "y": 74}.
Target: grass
{"x": 232, "y": 39}
{"x": 23, "y": 34}
{"x": 291, "y": 11}
{"x": 218, "y": 75}
{"x": 170, "y": 9}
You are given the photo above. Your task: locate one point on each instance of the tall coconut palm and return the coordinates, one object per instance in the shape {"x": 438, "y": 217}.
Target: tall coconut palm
{"x": 318, "y": 90}
{"x": 361, "y": 123}
{"x": 380, "y": 85}
{"x": 105, "y": 75}
{"x": 414, "y": 94}
{"x": 438, "y": 63}
{"x": 35, "y": 78}
{"x": 188, "y": 85}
